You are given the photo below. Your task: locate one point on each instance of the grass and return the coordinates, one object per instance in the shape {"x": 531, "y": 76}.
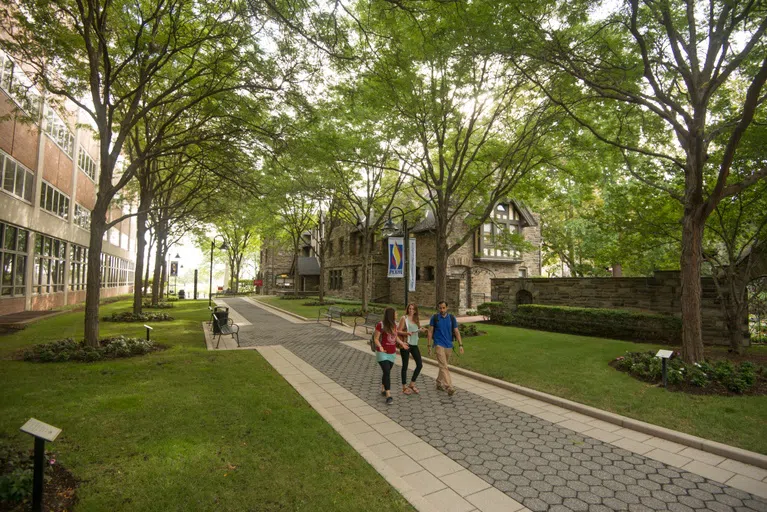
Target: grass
{"x": 297, "y": 306}
{"x": 575, "y": 367}
{"x": 182, "y": 429}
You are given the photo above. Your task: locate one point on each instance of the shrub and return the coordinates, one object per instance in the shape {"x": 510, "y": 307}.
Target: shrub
{"x": 320, "y": 303}
{"x": 128, "y": 316}
{"x": 472, "y": 312}
{"x": 71, "y": 350}
{"x": 468, "y": 330}
{"x": 159, "y": 305}
{"x": 735, "y": 378}
{"x": 494, "y": 311}
{"x": 608, "y": 323}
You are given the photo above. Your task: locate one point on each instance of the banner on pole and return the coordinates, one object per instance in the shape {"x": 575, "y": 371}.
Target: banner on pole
{"x": 396, "y": 256}
{"x": 173, "y": 268}
{"x": 411, "y": 273}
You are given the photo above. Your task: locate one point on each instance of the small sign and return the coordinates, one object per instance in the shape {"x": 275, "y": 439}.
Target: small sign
{"x": 665, "y": 354}
{"x": 145, "y": 325}
{"x": 258, "y": 282}
{"x": 42, "y": 430}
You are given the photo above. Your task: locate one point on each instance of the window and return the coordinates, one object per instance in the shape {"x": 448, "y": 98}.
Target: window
{"x": 116, "y": 271}
{"x": 86, "y": 164}
{"x": 59, "y": 131}
{"x": 340, "y": 246}
{"x": 54, "y": 201}
{"x": 355, "y": 276}
{"x": 522, "y": 272}
{"x": 82, "y": 217}
{"x": 504, "y": 222}
{"x": 50, "y": 258}
{"x": 78, "y": 267}
{"x": 330, "y": 248}
{"x": 13, "y": 257}
{"x": 16, "y": 179}
{"x": 19, "y": 87}
{"x": 335, "y": 279}
{"x": 428, "y": 274}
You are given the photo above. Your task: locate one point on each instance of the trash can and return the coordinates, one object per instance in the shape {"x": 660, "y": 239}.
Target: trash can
{"x": 222, "y": 314}
{"x": 181, "y": 294}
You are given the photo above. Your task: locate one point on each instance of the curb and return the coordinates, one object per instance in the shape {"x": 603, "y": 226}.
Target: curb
{"x": 724, "y": 450}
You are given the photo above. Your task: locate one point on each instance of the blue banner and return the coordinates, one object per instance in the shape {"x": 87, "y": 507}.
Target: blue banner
{"x": 396, "y": 256}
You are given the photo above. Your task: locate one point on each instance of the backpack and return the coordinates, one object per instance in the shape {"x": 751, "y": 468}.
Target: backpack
{"x": 373, "y": 340}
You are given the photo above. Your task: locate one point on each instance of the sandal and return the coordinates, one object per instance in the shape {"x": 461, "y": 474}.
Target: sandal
{"x": 414, "y": 389}
{"x": 407, "y": 391}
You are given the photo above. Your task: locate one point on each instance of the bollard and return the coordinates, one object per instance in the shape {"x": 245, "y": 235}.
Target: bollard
{"x": 147, "y": 331}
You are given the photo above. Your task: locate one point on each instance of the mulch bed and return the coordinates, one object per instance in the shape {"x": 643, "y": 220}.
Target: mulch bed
{"x": 59, "y": 493}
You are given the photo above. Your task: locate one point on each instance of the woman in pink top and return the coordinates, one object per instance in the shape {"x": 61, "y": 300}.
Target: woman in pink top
{"x": 387, "y": 340}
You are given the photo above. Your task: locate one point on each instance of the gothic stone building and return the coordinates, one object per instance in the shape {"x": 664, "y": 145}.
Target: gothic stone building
{"x": 469, "y": 270}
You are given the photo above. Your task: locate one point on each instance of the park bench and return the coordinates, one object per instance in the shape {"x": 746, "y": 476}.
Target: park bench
{"x": 369, "y": 322}
{"x": 330, "y": 314}
{"x": 226, "y": 327}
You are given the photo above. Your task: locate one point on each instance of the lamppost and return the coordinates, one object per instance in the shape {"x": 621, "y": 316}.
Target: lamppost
{"x": 175, "y": 280}
{"x": 223, "y": 247}
{"x": 388, "y": 230}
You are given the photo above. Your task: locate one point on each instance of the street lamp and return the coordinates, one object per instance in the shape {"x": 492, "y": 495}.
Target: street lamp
{"x": 175, "y": 281}
{"x": 389, "y": 229}
{"x": 223, "y": 247}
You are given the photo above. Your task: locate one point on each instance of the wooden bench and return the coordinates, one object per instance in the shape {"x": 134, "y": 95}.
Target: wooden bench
{"x": 330, "y": 314}
{"x": 369, "y": 322}
{"x": 228, "y": 328}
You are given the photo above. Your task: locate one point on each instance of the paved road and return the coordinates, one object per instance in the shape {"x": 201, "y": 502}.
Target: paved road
{"x": 537, "y": 463}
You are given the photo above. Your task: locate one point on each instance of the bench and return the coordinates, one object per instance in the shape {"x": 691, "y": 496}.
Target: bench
{"x": 330, "y": 314}
{"x": 369, "y": 322}
{"x": 228, "y": 328}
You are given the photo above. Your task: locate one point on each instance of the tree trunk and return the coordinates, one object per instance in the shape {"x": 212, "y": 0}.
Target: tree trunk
{"x": 440, "y": 270}
{"x": 321, "y": 257}
{"x": 692, "y": 331}
{"x": 365, "y": 266}
{"x": 93, "y": 283}
{"x": 158, "y": 266}
{"x": 146, "y": 272}
{"x": 141, "y": 228}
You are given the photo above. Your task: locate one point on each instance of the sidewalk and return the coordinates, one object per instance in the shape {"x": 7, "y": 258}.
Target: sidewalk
{"x": 490, "y": 448}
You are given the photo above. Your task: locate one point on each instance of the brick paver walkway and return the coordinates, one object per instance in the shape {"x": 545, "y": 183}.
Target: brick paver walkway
{"x": 542, "y": 465}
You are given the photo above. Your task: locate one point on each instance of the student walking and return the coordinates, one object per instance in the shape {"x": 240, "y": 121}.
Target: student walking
{"x": 411, "y": 324}
{"x": 386, "y": 340}
{"x": 442, "y": 328}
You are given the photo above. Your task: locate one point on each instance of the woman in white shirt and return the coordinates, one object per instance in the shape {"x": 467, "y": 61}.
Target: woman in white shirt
{"x": 410, "y": 323}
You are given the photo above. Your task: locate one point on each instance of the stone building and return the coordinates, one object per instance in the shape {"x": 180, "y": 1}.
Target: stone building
{"x": 279, "y": 269}
{"x": 48, "y": 177}
{"x": 469, "y": 269}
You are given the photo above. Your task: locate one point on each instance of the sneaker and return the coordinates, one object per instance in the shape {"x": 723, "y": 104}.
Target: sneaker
{"x": 389, "y": 400}
{"x": 450, "y": 391}
{"x": 440, "y": 388}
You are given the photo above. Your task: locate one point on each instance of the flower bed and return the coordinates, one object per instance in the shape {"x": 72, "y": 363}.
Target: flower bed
{"x": 71, "y": 350}
{"x": 709, "y": 377}
{"x": 469, "y": 330}
{"x": 128, "y": 316}
{"x": 16, "y": 471}
{"x": 320, "y": 303}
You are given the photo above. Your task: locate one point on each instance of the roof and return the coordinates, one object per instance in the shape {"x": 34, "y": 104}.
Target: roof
{"x": 308, "y": 266}
{"x": 429, "y": 223}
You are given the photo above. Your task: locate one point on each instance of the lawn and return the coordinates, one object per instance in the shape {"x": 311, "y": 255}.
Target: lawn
{"x": 575, "y": 367}
{"x": 182, "y": 429}
{"x": 297, "y": 306}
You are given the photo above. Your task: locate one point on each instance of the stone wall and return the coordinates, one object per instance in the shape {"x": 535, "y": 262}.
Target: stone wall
{"x": 660, "y": 293}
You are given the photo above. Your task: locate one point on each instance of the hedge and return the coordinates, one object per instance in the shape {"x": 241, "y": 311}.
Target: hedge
{"x": 605, "y": 323}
